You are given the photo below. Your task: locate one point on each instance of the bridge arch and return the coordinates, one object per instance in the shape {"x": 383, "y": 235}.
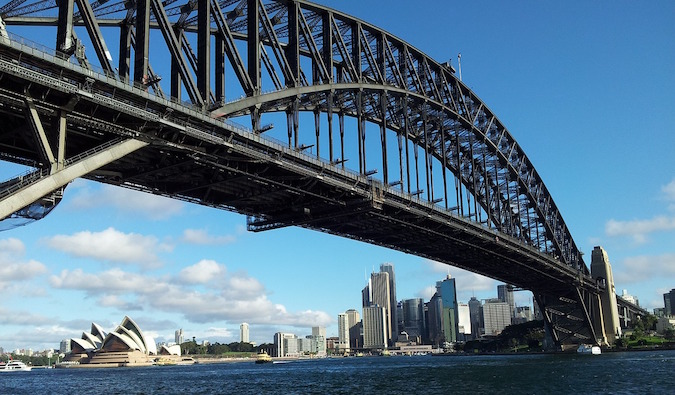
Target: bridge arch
{"x": 292, "y": 57}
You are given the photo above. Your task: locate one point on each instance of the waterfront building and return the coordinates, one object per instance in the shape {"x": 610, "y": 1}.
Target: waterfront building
{"x": 496, "y": 316}
{"x": 318, "y": 343}
{"x": 505, "y": 294}
{"x": 659, "y": 311}
{"x": 243, "y": 333}
{"x": 126, "y": 345}
{"x": 413, "y": 318}
{"x": 669, "y": 303}
{"x": 476, "y": 317}
{"x": 374, "y": 327}
{"x": 285, "y": 344}
{"x": 178, "y": 335}
{"x": 380, "y": 295}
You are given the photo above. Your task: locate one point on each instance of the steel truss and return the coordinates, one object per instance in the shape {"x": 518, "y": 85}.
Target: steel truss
{"x": 294, "y": 56}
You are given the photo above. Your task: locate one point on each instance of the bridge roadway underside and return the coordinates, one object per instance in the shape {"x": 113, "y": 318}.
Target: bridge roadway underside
{"x": 198, "y": 159}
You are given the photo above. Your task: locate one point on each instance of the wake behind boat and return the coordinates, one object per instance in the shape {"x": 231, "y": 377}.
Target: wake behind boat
{"x": 14, "y": 366}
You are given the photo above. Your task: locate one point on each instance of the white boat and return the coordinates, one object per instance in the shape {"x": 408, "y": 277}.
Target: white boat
{"x": 14, "y": 366}
{"x": 588, "y": 349}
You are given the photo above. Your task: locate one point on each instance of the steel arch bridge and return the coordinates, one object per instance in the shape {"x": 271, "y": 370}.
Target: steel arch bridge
{"x": 444, "y": 179}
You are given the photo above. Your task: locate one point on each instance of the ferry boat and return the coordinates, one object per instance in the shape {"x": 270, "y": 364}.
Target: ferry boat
{"x": 588, "y": 349}
{"x": 14, "y": 366}
{"x": 263, "y": 357}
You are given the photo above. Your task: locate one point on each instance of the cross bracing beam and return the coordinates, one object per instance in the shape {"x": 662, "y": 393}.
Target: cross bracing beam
{"x": 52, "y": 182}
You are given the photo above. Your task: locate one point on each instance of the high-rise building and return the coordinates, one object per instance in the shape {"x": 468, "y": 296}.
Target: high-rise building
{"x": 463, "y": 322}
{"x": 476, "y": 316}
{"x": 450, "y": 317}
{"x": 496, "y": 316}
{"x": 64, "y": 347}
{"x": 393, "y": 310}
{"x": 178, "y": 335}
{"x": 523, "y": 314}
{"x": 318, "y": 343}
{"x": 243, "y": 333}
{"x": 380, "y": 295}
{"x": 355, "y": 326}
{"x": 374, "y": 327}
{"x": 505, "y": 294}
{"x": 343, "y": 332}
{"x": 413, "y": 318}
{"x": 669, "y": 303}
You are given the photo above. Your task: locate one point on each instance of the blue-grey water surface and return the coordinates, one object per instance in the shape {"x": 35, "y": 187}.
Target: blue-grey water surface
{"x": 650, "y": 372}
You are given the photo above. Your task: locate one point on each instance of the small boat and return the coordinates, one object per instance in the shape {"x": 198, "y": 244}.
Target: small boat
{"x": 263, "y": 357}
{"x": 588, "y": 349}
{"x": 14, "y": 366}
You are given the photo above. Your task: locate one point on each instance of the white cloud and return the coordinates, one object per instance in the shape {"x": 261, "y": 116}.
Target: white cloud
{"x": 129, "y": 201}
{"x": 232, "y": 297}
{"x": 201, "y": 272}
{"x": 13, "y": 268}
{"x": 111, "y": 245}
{"x": 201, "y": 236}
{"x": 466, "y": 281}
{"x": 640, "y": 268}
{"x": 639, "y": 229}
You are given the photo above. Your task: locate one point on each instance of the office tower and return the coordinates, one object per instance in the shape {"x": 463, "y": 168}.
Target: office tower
{"x": 449, "y": 322}
{"x": 318, "y": 344}
{"x": 179, "y": 336}
{"x": 355, "y": 326}
{"x": 463, "y": 322}
{"x": 523, "y": 315}
{"x": 413, "y": 318}
{"x": 669, "y": 303}
{"x": 380, "y": 295}
{"x": 476, "y": 317}
{"x": 505, "y": 294}
{"x": 496, "y": 316}
{"x": 343, "y": 332}
{"x": 64, "y": 347}
{"x": 393, "y": 303}
{"x": 374, "y": 327}
{"x": 434, "y": 320}
{"x": 243, "y": 333}
{"x": 365, "y": 295}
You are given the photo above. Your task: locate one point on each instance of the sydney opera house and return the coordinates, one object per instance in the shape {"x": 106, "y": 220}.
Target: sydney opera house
{"x": 125, "y": 346}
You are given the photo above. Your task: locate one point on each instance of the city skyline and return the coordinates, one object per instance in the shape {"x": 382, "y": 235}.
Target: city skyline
{"x": 585, "y": 88}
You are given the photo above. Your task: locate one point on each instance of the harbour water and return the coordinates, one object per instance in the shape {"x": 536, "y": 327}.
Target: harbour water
{"x": 648, "y": 372}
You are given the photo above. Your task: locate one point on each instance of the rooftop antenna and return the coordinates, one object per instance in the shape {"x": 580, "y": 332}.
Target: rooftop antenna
{"x": 459, "y": 61}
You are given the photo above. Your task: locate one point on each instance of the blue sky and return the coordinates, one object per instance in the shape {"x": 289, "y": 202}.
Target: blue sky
{"x": 587, "y": 89}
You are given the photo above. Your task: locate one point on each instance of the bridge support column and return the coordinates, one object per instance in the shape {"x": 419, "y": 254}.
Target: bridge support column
{"x": 606, "y": 319}
{"x": 45, "y": 185}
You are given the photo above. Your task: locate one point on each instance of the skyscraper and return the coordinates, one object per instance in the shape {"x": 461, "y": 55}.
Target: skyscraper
{"x": 178, "y": 335}
{"x": 243, "y": 333}
{"x": 393, "y": 302}
{"x": 496, "y": 316}
{"x": 463, "y": 322}
{"x": 413, "y": 318}
{"x": 354, "y": 322}
{"x": 505, "y": 294}
{"x": 380, "y": 295}
{"x": 343, "y": 332}
{"x": 476, "y": 316}
{"x": 374, "y": 327}
{"x": 450, "y": 317}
